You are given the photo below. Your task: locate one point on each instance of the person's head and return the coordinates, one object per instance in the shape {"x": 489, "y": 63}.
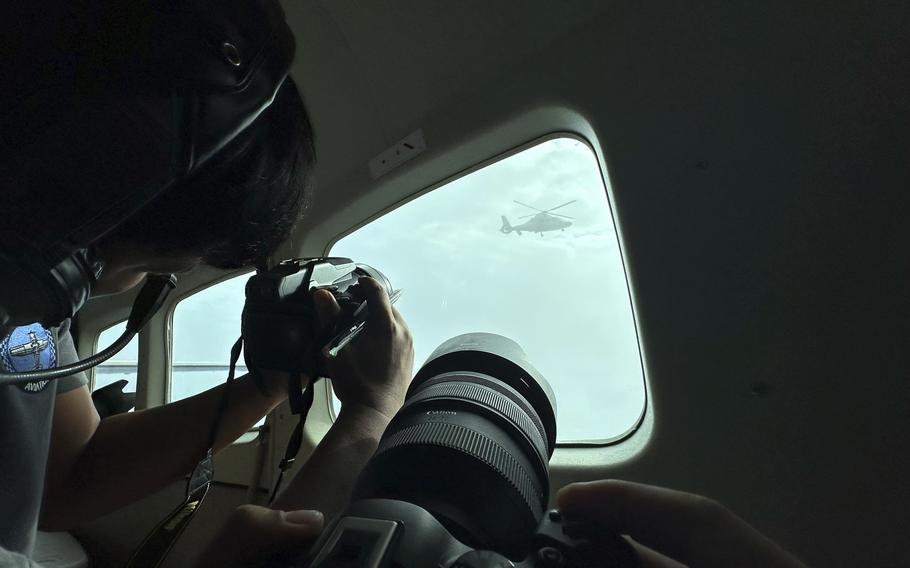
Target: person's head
{"x": 233, "y": 213}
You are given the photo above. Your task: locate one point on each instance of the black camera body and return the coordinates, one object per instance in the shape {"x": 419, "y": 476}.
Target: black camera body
{"x": 460, "y": 477}
{"x": 280, "y": 326}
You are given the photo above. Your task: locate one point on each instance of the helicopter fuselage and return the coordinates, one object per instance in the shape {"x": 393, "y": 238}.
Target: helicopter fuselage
{"x": 540, "y": 223}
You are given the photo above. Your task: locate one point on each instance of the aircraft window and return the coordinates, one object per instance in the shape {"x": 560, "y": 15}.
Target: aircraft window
{"x": 123, "y": 365}
{"x": 205, "y": 327}
{"x": 524, "y": 247}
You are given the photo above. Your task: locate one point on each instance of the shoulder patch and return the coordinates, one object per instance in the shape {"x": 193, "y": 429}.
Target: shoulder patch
{"x": 29, "y": 348}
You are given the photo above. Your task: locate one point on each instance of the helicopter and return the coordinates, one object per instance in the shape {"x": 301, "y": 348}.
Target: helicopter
{"x": 543, "y": 220}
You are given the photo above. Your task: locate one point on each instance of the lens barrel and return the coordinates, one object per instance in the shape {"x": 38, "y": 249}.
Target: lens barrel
{"x": 471, "y": 444}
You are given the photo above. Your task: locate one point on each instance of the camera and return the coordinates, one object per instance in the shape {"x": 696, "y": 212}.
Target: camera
{"x": 279, "y": 325}
{"x": 460, "y": 477}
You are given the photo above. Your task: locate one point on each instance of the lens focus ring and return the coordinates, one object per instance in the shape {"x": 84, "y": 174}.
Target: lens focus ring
{"x": 475, "y": 444}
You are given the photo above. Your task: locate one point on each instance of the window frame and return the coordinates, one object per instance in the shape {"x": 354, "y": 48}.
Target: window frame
{"x": 169, "y": 336}
{"x": 92, "y": 374}
{"x": 508, "y": 153}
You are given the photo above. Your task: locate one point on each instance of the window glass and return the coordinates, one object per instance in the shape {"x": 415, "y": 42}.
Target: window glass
{"x": 526, "y": 248}
{"x": 205, "y": 327}
{"x": 123, "y": 365}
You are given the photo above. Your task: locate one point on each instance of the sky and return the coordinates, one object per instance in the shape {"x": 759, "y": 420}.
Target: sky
{"x": 562, "y": 296}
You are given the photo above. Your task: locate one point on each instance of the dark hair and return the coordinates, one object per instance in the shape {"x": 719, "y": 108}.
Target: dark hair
{"x": 238, "y": 208}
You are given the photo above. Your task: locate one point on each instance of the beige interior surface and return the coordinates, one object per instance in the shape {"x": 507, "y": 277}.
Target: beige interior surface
{"x": 757, "y": 155}
{"x": 110, "y": 540}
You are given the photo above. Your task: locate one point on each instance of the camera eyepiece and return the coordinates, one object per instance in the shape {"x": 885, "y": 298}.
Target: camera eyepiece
{"x": 471, "y": 444}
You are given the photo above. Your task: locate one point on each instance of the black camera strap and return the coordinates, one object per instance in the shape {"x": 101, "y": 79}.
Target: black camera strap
{"x": 153, "y": 550}
{"x": 300, "y": 401}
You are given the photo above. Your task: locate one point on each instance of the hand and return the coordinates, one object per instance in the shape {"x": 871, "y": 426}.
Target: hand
{"x": 257, "y": 536}
{"x": 374, "y": 370}
{"x": 670, "y": 529}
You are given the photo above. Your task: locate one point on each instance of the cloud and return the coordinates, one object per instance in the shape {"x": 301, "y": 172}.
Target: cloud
{"x": 562, "y": 296}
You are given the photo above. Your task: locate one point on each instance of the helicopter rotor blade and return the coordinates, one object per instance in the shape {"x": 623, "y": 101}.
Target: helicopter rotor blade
{"x": 563, "y": 216}
{"x": 526, "y": 205}
{"x": 531, "y": 215}
{"x": 563, "y": 205}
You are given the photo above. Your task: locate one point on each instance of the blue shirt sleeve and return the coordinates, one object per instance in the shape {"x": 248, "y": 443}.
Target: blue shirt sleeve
{"x": 67, "y": 355}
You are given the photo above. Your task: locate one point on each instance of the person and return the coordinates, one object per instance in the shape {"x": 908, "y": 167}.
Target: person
{"x": 376, "y": 373}
{"x": 671, "y": 529}
{"x": 60, "y": 465}
{"x": 666, "y": 528}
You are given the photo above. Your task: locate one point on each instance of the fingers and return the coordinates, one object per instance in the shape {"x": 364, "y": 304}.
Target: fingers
{"x": 672, "y": 522}
{"x": 377, "y": 298}
{"x": 276, "y": 527}
{"x": 326, "y": 306}
{"x": 398, "y": 317}
{"x": 253, "y": 534}
{"x": 689, "y": 528}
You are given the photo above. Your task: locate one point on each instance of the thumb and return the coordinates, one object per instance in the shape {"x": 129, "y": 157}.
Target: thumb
{"x": 272, "y": 529}
{"x": 326, "y": 307}
{"x": 253, "y": 535}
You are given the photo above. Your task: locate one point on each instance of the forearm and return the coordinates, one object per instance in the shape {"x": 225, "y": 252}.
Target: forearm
{"x": 132, "y": 455}
{"x": 325, "y": 481}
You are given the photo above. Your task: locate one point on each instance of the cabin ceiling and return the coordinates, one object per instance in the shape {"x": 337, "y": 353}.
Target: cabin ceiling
{"x": 372, "y": 70}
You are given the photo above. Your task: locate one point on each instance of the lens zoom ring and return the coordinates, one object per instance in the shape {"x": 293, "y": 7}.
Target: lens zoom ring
{"x": 492, "y": 399}
{"x": 475, "y": 444}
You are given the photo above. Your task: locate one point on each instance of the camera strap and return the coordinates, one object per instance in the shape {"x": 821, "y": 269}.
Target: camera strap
{"x": 300, "y": 401}
{"x": 153, "y": 550}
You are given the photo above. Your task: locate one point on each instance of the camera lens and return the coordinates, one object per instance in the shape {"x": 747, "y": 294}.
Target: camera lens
{"x": 471, "y": 444}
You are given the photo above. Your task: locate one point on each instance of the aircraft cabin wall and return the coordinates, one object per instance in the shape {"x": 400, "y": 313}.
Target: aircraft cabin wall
{"x": 757, "y": 157}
